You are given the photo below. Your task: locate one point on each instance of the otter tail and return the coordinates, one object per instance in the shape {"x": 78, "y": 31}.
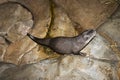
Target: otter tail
{"x": 40, "y": 41}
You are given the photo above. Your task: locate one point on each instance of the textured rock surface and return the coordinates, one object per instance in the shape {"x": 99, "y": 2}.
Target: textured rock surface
{"x": 44, "y": 70}
{"x": 62, "y": 25}
{"x": 13, "y": 27}
{"x": 3, "y": 46}
{"x": 112, "y": 29}
{"x": 4, "y": 66}
{"x": 51, "y": 19}
{"x": 13, "y": 24}
{"x": 58, "y": 18}
{"x": 19, "y": 24}
{"x": 88, "y": 13}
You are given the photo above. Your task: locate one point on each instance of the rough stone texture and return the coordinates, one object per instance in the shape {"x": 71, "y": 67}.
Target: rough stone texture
{"x": 88, "y": 13}
{"x": 12, "y": 23}
{"x": 3, "y": 1}
{"x": 68, "y": 67}
{"x": 50, "y": 20}
{"x": 81, "y": 69}
{"x": 34, "y": 55}
{"x": 23, "y": 45}
{"x": 3, "y": 46}
{"x": 100, "y": 65}
{"x": 15, "y": 51}
{"x": 62, "y": 25}
{"x": 4, "y": 66}
{"x": 44, "y": 70}
{"x": 16, "y": 25}
{"x": 101, "y": 51}
{"x": 8, "y": 20}
{"x": 110, "y": 30}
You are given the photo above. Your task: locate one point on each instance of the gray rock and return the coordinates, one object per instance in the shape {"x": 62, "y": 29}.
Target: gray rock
{"x": 112, "y": 29}
{"x": 45, "y": 70}
{"x": 4, "y": 66}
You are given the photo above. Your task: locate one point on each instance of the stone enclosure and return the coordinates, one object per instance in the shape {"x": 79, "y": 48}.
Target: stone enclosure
{"x": 22, "y": 59}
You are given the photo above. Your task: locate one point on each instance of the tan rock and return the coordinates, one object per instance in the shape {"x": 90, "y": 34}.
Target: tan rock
{"x": 3, "y": 47}
{"x": 17, "y": 49}
{"x": 22, "y": 44}
{"x": 88, "y": 13}
{"x": 62, "y": 25}
{"x": 7, "y": 19}
{"x": 2, "y": 1}
{"x": 34, "y": 55}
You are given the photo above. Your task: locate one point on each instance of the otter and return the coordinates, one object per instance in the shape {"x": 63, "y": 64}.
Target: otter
{"x": 66, "y": 45}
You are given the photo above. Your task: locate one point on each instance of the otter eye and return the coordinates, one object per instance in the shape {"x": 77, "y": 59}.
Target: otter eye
{"x": 86, "y": 37}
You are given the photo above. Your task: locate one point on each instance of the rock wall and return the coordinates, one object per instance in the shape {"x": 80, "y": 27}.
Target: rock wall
{"x": 52, "y": 18}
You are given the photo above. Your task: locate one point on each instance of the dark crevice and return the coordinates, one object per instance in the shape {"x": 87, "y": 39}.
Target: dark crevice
{"x": 47, "y": 50}
{"x": 52, "y": 18}
{"x": 6, "y": 40}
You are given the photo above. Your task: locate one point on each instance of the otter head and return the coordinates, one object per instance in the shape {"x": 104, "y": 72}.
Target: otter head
{"x": 88, "y": 35}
